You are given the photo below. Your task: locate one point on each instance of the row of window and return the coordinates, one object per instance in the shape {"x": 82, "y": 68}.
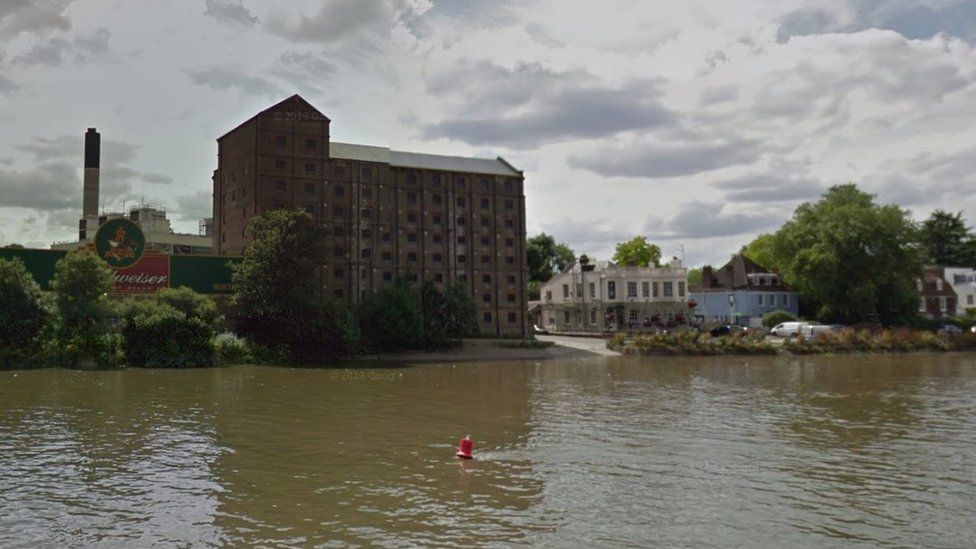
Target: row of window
{"x": 769, "y": 300}
{"x": 648, "y": 289}
{"x": 633, "y": 316}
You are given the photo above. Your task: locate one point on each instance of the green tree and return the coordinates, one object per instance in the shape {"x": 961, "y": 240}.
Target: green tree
{"x": 760, "y": 250}
{"x": 81, "y": 284}
{"x": 22, "y": 310}
{"x": 545, "y": 257}
{"x": 393, "y": 319}
{"x": 157, "y": 334}
{"x": 639, "y": 252}
{"x": 695, "y": 276}
{"x": 276, "y": 290}
{"x": 193, "y": 305}
{"x": 14, "y": 246}
{"x": 852, "y": 260}
{"x": 462, "y": 315}
{"x": 946, "y": 240}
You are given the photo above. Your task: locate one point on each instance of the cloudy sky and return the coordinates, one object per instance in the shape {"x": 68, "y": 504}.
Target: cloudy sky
{"x": 696, "y": 123}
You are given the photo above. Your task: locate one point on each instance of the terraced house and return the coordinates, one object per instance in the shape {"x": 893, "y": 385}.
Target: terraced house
{"x": 605, "y": 297}
{"x": 389, "y": 214}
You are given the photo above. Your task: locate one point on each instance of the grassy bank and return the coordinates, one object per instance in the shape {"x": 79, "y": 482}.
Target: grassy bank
{"x": 839, "y": 342}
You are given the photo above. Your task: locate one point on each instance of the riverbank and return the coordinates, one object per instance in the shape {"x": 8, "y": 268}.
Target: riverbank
{"x": 839, "y": 342}
{"x": 472, "y": 350}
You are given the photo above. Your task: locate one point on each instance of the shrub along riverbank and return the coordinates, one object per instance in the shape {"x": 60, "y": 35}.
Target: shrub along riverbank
{"x": 842, "y": 341}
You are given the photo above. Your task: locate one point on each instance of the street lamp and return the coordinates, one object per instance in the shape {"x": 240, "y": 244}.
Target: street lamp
{"x": 731, "y": 308}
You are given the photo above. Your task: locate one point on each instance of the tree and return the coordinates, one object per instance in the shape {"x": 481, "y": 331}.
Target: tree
{"x": 695, "y": 276}
{"x": 545, "y": 257}
{"x": 851, "y": 260}
{"x": 760, "y": 250}
{"x": 21, "y": 309}
{"x": 81, "y": 284}
{"x": 946, "y": 241}
{"x": 276, "y": 290}
{"x": 462, "y": 315}
{"x": 157, "y": 334}
{"x": 637, "y": 252}
{"x": 393, "y": 319}
{"x": 14, "y": 246}
{"x": 772, "y": 319}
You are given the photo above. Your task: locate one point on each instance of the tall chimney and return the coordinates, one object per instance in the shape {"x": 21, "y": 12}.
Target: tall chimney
{"x": 93, "y": 146}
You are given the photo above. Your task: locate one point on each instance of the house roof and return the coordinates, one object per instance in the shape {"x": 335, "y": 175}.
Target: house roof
{"x": 734, "y": 275}
{"x": 401, "y": 159}
{"x": 293, "y": 104}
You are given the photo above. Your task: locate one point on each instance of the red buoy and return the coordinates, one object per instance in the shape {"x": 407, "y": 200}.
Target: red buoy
{"x": 464, "y": 448}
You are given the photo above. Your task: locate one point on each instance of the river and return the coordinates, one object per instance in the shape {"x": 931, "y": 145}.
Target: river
{"x": 599, "y": 451}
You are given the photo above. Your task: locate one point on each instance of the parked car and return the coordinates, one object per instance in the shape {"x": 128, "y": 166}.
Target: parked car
{"x": 539, "y": 330}
{"x": 727, "y": 330}
{"x": 788, "y": 329}
{"x": 949, "y": 329}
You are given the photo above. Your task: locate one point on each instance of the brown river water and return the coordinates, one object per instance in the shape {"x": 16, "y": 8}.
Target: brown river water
{"x": 602, "y": 451}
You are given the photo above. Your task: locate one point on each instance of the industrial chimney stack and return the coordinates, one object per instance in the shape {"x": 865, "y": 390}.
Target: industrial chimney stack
{"x": 93, "y": 146}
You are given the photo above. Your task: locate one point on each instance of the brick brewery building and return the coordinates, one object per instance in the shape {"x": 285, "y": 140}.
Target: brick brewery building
{"x": 388, "y": 213}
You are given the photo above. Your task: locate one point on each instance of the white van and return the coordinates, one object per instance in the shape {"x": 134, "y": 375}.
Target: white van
{"x": 788, "y": 329}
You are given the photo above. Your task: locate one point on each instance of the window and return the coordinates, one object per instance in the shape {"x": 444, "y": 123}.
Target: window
{"x": 485, "y": 221}
{"x": 461, "y": 221}
{"x": 310, "y": 167}
{"x": 592, "y": 289}
{"x": 279, "y": 186}
{"x": 565, "y": 291}
{"x": 509, "y": 185}
{"x": 338, "y": 251}
{"x": 340, "y": 169}
{"x": 438, "y": 258}
{"x": 646, "y": 289}
{"x": 484, "y": 203}
{"x": 412, "y": 198}
{"x": 338, "y": 273}
{"x": 486, "y": 317}
{"x": 437, "y": 239}
{"x": 509, "y": 205}
{"x": 548, "y": 295}
{"x": 411, "y": 237}
{"x": 654, "y": 288}
{"x": 486, "y": 298}
{"x": 438, "y": 277}
{"x": 511, "y": 279}
{"x": 436, "y": 219}
{"x": 510, "y": 223}
{"x": 310, "y": 145}
{"x": 486, "y": 259}
{"x": 631, "y": 289}
{"x": 462, "y": 258}
{"x": 411, "y": 179}
{"x": 461, "y": 202}
{"x": 338, "y": 294}
{"x": 462, "y": 239}
{"x": 566, "y": 317}
{"x": 681, "y": 291}
{"x": 411, "y": 218}
{"x": 579, "y": 290}
{"x": 593, "y": 317}
{"x": 365, "y": 253}
{"x": 942, "y": 304}
{"x": 281, "y": 142}
{"x": 486, "y": 241}
{"x": 366, "y": 233}
{"x": 436, "y": 181}
{"x": 668, "y": 289}
{"x": 632, "y": 316}
{"x": 339, "y": 231}
{"x": 412, "y": 256}
{"x": 386, "y": 256}
{"x": 387, "y": 237}
{"x": 510, "y": 260}
{"x": 387, "y": 277}
{"x": 511, "y": 298}
{"x": 969, "y": 299}
{"x": 485, "y": 185}
{"x": 309, "y": 209}
{"x": 310, "y": 188}
{"x": 339, "y": 190}
{"x": 611, "y": 290}
{"x": 461, "y": 183}
{"x": 436, "y": 199}
{"x": 280, "y": 164}
{"x": 338, "y": 211}
{"x": 510, "y": 242}
{"x": 512, "y": 318}
{"x": 367, "y": 192}
{"x": 367, "y": 174}
{"x": 760, "y": 299}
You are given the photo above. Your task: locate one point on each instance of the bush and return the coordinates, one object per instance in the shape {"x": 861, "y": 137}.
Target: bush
{"x": 774, "y": 318}
{"x": 393, "y": 319}
{"x": 864, "y": 341}
{"x": 192, "y": 304}
{"x": 694, "y": 343}
{"x": 23, "y": 314}
{"x": 157, "y": 335}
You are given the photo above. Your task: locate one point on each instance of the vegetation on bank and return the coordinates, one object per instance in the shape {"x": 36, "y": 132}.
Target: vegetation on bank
{"x": 836, "y": 342}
